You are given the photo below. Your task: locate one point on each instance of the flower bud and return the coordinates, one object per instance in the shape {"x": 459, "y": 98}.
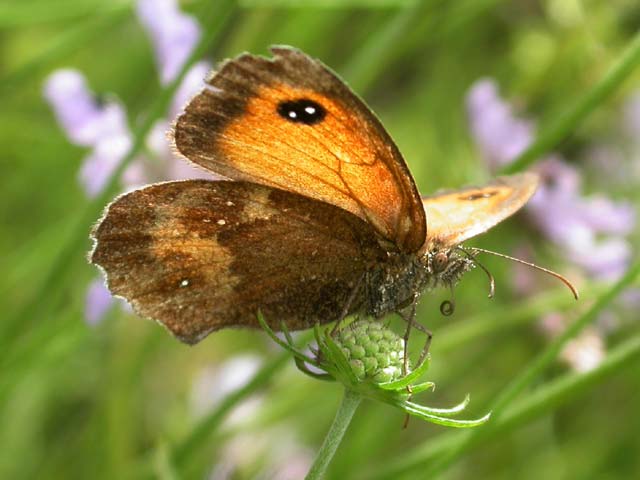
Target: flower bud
{"x": 374, "y": 351}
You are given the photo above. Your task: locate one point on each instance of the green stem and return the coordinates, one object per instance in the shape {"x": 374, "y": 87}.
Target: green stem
{"x": 347, "y": 408}
{"x": 557, "y": 131}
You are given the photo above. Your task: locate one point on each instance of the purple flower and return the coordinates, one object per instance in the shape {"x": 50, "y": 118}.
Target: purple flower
{"x": 578, "y": 224}
{"x": 174, "y": 34}
{"x": 499, "y": 134}
{"x": 84, "y": 119}
{"x": 103, "y": 127}
{"x": 591, "y": 231}
{"x": 90, "y": 123}
{"x": 98, "y": 301}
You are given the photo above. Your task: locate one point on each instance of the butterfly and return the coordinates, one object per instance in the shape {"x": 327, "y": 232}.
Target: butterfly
{"x": 319, "y": 217}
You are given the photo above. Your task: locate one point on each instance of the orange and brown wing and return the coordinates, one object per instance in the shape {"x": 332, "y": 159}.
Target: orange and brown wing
{"x": 458, "y": 215}
{"x": 199, "y": 255}
{"x": 290, "y": 123}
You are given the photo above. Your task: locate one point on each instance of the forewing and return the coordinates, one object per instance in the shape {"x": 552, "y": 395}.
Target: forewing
{"x": 199, "y": 255}
{"x": 458, "y": 215}
{"x": 234, "y": 128}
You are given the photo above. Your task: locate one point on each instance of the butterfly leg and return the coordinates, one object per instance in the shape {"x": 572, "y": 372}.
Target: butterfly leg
{"x": 347, "y": 305}
{"x": 409, "y": 319}
{"x": 409, "y": 316}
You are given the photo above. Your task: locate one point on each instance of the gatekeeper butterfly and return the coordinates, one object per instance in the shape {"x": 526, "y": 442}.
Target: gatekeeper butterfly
{"x": 319, "y": 218}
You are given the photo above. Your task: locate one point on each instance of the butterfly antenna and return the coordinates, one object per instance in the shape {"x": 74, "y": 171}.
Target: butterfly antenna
{"x": 492, "y": 281}
{"x": 532, "y": 265}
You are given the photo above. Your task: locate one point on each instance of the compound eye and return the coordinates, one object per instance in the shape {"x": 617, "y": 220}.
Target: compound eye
{"x": 440, "y": 262}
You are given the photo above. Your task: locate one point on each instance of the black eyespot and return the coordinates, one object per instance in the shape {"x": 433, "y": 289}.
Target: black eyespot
{"x": 302, "y": 111}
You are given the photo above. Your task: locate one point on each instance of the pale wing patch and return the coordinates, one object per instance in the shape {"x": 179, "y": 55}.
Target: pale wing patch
{"x": 456, "y": 216}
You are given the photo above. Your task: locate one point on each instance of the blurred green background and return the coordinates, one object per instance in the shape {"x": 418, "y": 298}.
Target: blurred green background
{"x": 122, "y": 399}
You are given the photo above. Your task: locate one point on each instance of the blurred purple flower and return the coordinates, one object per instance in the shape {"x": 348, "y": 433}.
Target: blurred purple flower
{"x": 83, "y": 117}
{"x": 88, "y": 122}
{"x": 98, "y": 301}
{"x": 580, "y": 225}
{"x": 590, "y": 231}
{"x": 499, "y": 134}
{"x": 103, "y": 126}
{"x": 173, "y": 33}
{"x": 574, "y": 222}
{"x": 285, "y": 459}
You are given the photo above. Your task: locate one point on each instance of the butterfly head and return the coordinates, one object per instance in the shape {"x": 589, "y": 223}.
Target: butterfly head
{"x": 446, "y": 266}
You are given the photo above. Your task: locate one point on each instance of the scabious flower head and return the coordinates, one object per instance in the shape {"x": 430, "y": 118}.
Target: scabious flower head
{"x": 102, "y": 126}
{"x": 367, "y": 357}
{"x": 373, "y": 351}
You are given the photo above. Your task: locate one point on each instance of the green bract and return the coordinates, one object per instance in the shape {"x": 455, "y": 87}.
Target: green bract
{"x": 368, "y": 358}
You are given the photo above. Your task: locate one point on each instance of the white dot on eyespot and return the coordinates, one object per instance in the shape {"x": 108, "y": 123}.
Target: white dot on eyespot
{"x": 230, "y": 203}
{"x": 184, "y": 283}
{"x": 292, "y": 114}
{"x": 221, "y": 222}
{"x": 310, "y": 110}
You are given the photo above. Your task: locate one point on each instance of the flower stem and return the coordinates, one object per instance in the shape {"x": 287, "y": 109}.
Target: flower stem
{"x": 345, "y": 412}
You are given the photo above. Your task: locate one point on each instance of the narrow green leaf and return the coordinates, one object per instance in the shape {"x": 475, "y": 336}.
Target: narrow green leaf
{"x": 423, "y": 413}
{"x": 445, "y": 411}
{"x": 64, "y": 45}
{"x": 557, "y": 131}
